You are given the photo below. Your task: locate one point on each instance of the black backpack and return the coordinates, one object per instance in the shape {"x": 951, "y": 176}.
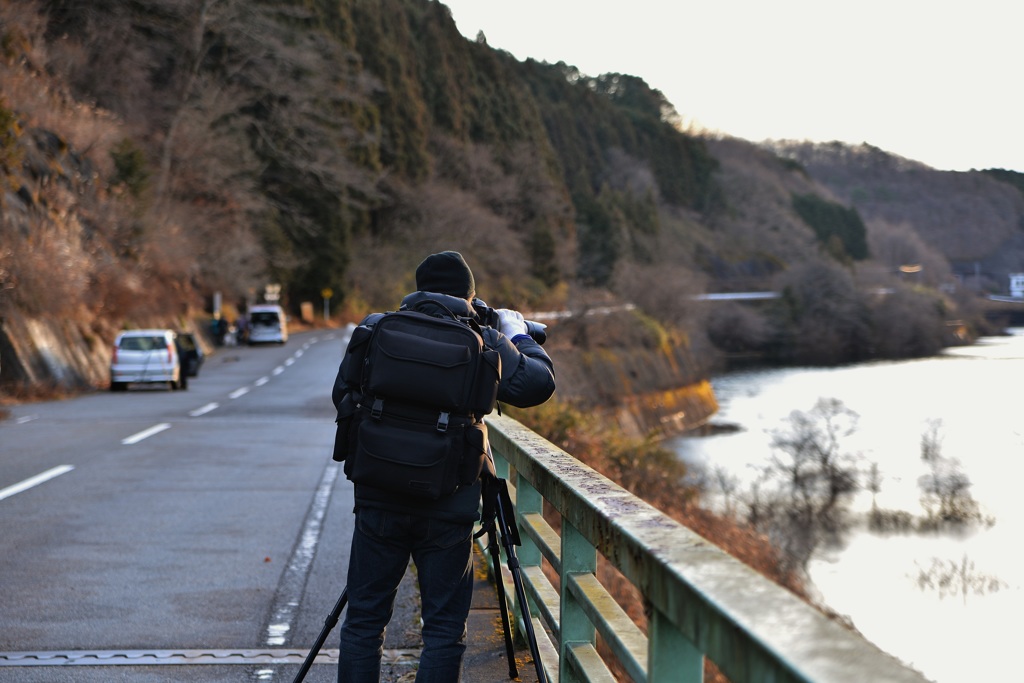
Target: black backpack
{"x": 426, "y": 383}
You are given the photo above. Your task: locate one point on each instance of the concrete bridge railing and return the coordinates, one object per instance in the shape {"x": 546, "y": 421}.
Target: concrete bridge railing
{"x": 700, "y": 602}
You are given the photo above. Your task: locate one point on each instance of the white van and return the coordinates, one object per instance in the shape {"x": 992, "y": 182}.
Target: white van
{"x": 146, "y": 356}
{"x": 267, "y": 324}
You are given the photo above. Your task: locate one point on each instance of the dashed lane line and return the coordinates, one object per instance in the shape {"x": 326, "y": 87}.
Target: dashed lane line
{"x": 35, "y": 481}
{"x": 204, "y": 410}
{"x": 145, "y": 433}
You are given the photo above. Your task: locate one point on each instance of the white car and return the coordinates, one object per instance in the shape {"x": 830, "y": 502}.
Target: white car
{"x": 267, "y": 324}
{"x": 146, "y": 356}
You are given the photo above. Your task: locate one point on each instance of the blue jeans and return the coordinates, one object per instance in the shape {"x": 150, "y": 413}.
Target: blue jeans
{"x": 382, "y": 544}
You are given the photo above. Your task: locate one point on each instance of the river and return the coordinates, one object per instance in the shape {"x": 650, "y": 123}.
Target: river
{"x": 975, "y": 392}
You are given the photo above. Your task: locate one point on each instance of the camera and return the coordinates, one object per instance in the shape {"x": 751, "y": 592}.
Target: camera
{"x": 488, "y": 316}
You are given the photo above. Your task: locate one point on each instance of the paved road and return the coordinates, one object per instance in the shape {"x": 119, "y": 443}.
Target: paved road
{"x": 169, "y": 529}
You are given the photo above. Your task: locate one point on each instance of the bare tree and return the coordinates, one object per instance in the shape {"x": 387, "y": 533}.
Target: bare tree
{"x": 945, "y": 489}
{"x": 664, "y": 291}
{"x": 804, "y": 493}
{"x": 826, "y": 317}
{"x": 879, "y": 519}
{"x": 899, "y": 245}
{"x": 728, "y": 484}
{"x": 739, "y": 328}
{"x": 874, "y": 484}
{"x": 909, "y": 322}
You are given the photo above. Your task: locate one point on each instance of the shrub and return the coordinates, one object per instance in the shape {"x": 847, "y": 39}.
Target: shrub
{"x": 10, "y": 131}
{"x": 130, "y": 167}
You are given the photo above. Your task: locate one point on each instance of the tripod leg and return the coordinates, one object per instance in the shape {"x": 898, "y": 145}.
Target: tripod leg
{"x": 329, "y": 624}
{"x": 509, "y": 539}
{"x": 506, "y": 625}
{"x": 531, "y": 635}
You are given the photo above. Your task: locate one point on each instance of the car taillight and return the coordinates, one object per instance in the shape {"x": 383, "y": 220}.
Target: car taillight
{"x": 114, "y": 355}
{"x": 170, "y": 353}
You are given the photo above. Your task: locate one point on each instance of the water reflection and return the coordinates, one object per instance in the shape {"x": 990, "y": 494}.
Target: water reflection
{"x": 874, "y": 579}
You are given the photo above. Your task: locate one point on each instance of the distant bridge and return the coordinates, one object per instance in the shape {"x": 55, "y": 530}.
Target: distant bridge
{"x": 735, "y": 296}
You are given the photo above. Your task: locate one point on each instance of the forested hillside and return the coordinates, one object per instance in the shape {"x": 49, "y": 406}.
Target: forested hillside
{"x": 156, "y": 153}
{"x": 969, "y": 224}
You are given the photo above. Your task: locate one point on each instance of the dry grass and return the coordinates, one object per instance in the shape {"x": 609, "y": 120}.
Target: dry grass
{"x": 16, "y": 394}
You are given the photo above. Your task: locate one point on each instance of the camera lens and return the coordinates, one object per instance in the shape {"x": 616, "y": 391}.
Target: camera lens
{"x": 537, "y": 331}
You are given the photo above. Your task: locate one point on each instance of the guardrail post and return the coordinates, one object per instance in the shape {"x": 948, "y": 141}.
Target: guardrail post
{"x": 578, "y": 557}
{"x": 528, "y": 500}
{"x": 671, "y": 657}
{"x": 501, "y": 466}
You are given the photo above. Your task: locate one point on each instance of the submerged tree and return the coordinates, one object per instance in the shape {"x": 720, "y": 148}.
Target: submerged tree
{"x": 805, "y": 490}
{"x": 945, "y": 489}
{"x": 880, "y": 519}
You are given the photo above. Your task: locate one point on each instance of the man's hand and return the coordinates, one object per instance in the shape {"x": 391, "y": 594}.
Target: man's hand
{"x": 512, "y": 323}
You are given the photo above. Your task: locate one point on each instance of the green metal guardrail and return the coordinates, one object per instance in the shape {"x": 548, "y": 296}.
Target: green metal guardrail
{"x": 700, "y": 601}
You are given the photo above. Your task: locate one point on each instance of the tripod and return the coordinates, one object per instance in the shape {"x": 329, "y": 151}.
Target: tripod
{"x": 329, "y": 624}
{"x": 499, "y": 517}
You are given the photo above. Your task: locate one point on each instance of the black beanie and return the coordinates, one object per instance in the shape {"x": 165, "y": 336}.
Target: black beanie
{"x": 446, "y": 273}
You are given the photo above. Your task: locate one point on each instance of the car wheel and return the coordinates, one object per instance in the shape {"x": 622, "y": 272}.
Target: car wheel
{"x": 118, "y": 386}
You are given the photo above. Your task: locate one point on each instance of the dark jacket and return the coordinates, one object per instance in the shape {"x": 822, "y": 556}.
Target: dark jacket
{"x": 527, "y": 379}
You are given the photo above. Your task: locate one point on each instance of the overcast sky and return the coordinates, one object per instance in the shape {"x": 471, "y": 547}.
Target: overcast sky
{"x": 936, "y": 81}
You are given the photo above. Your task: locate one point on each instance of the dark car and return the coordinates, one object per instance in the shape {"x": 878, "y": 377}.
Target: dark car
{"x": 191, "y": 353}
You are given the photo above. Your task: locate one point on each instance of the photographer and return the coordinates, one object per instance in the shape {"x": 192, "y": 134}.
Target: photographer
{"x": 436, "y": 533}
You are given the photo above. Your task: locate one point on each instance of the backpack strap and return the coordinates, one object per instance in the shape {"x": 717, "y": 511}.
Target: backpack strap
{"x": 470, "y": 321}
{"x": 407, "y": 411}
{"x": 428, "y": 303}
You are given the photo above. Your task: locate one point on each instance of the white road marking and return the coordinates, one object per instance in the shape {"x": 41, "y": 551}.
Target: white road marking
{"x": 290, "y": 361}
{"x": 26, "y": 418}
{"x": 239, "y": 392}
{"x": 205, "y": 409}
{"x": 34, "y": 481}
{"x": 278, "y": 370}
{"x": 261, "y": 381}
{"x": 293, "y": 582}
{"x": 145, "y": 434}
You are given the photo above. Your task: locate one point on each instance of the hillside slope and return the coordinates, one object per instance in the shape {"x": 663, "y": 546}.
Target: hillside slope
{"x": 155, "y": 155}
{"x": 972, "y": 219}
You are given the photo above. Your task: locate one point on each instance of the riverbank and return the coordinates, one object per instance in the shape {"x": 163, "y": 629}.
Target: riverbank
{"x": 939, "y": 601}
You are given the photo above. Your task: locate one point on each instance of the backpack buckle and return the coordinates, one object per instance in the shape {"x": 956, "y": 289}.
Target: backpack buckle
{"x": 442, "y": 422}
{"x": 377, "y": 409}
